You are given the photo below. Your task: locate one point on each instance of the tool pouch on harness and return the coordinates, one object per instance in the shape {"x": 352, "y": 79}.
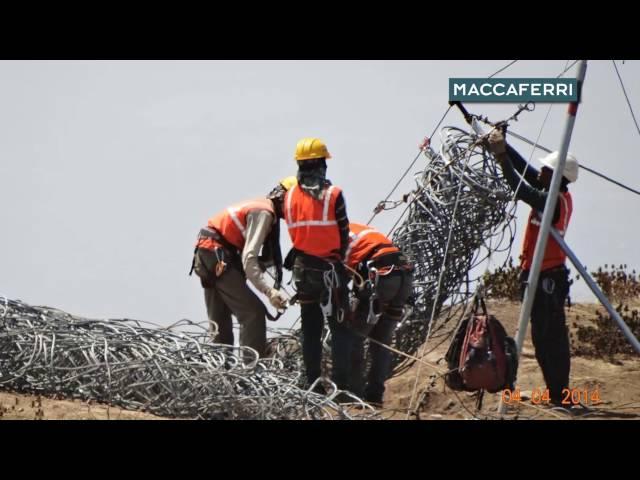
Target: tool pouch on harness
{"x": 481, "y": 355}
{"x": 211, "y": 264}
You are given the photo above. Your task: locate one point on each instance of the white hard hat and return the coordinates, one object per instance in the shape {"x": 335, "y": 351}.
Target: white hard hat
{"x": 571, "y": 166}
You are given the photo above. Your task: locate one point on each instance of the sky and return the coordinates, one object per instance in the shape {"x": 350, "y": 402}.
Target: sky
{"x": 108, "y": 169}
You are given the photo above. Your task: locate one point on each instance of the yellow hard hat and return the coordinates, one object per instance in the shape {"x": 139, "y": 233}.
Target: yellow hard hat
{"x": 289, "y": 182}
{"x": 282, "y": 188}
{"x": 310, "y": 149}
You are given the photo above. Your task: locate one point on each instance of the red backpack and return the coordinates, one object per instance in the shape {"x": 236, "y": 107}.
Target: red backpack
{"x": 481, "y": 356}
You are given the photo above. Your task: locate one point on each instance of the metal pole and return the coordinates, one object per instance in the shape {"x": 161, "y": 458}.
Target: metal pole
{"x": 626, "y": 331}
{"x": 547, "y": 216}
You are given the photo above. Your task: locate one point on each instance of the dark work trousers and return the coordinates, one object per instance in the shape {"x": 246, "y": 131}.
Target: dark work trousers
{"x": 230, "y": 294}
{"x": 392, "y": 293}
{"x": 311, "y": 290}
{"x": 549, "y": 329}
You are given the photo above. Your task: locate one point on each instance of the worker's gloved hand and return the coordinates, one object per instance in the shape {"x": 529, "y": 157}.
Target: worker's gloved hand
{"x": 496, "y": 142}
{"x": 277, "y": 299}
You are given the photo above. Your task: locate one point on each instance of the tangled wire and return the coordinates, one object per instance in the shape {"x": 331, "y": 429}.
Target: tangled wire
{"x": 174, "y": 372}
{"x": 459, "y": 214}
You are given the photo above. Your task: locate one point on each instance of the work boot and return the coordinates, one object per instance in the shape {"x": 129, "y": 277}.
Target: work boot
{"x": 579, "y": 410}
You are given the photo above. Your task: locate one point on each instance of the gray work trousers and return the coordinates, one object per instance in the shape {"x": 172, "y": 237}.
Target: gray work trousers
{"x": 229, "y": 294}
{"x": 392, "y": 292}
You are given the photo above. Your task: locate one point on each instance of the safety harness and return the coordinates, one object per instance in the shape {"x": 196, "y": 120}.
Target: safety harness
{"x": 213, "y": 234}
{"x": 331, "y": 280}
{"x": 373, "y": 269}
{"x": 232, "y": 252}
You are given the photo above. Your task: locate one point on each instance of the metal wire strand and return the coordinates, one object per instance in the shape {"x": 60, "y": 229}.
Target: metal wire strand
{"x": 173, "y": 372}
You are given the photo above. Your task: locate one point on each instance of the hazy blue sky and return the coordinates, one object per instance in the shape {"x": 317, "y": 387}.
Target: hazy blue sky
{"x": 109, "y": 168}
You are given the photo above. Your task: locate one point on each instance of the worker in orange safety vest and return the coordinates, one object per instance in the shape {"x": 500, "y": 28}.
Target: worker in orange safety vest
{"x": 316, "y": 218}
{"x": 383, "y": 282}
{"x": 227, "y": 253}
{"x": 548, "y": 323}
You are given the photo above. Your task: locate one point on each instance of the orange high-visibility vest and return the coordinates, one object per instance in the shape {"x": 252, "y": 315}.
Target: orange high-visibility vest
{"x": 312, "y": 223}
{"x": 232, "y": 222}
{"x": 363, "y": 240}
{"x": 554, "y": 256}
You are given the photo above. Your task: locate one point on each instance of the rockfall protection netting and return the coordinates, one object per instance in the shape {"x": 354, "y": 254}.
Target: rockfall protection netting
{"x": 173, "y": 372}
{"x": 458, "y": 214}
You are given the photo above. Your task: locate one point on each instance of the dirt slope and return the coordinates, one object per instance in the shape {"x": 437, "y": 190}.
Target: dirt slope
{"x": 15, "y": 406}
{"x": 616, "y": 379}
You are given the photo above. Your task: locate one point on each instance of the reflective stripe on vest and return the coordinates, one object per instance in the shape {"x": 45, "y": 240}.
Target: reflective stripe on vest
{"x": 231, "y": 223}
{"x": 233, "y": 213}
{"x": 363, "y": 240}
{"x": 312, "y": 223}
{"x": 353, "y": 242}
{"x": 554, "y": 256}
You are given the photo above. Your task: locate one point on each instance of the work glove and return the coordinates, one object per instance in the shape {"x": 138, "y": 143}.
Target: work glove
{"x": 496, "y": 142}
{"x": 277, "y": 299}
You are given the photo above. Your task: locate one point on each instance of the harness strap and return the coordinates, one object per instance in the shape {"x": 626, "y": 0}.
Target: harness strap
{"x": 212, "y": 233}
{"x": 209, "y": 232}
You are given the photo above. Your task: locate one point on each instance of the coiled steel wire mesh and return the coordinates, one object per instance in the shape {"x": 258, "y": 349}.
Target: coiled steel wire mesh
{"x": 460, "y": 213}
{"x": 174, "y": 372}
